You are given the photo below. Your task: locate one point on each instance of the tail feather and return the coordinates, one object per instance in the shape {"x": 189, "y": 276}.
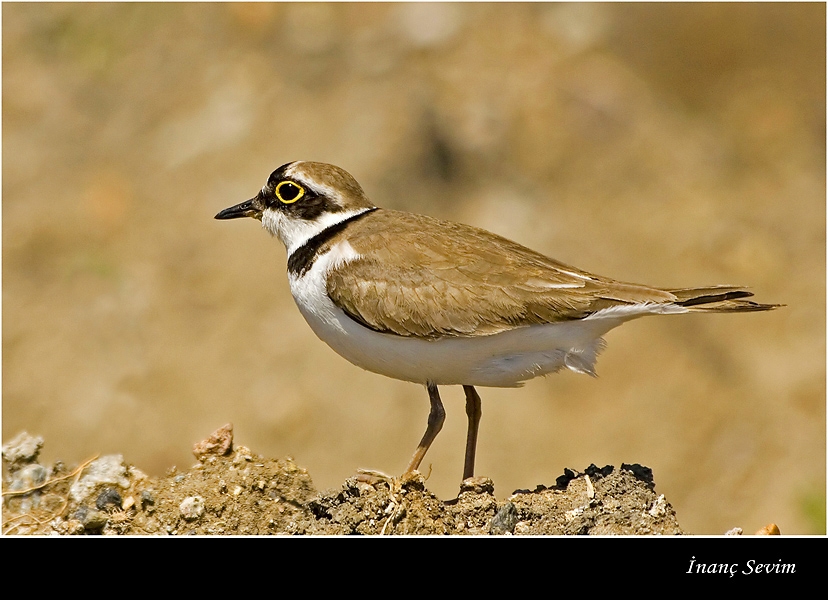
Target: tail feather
{"x": 719, "y": 298}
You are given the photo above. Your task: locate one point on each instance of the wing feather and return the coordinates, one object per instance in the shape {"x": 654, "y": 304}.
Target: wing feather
{"x": 407, "y": 281}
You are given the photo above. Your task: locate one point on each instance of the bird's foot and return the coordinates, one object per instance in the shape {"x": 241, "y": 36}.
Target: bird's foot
{"x": 478, "y": 485}
{"x": 373, "y": 477}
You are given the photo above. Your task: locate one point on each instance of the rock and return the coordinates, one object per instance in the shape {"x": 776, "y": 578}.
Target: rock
{"x": 248, "y": 494}
{"x": 22, "y": 450}
{"x": 220, "y": 443}
{"x": 191, "y": 508}
{"x": 505, "y": 520}
{"x": 108, "y": 499}
{"x": 105, "y": 470}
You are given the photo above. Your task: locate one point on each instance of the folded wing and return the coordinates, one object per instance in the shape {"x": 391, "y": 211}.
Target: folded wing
{"x": 446, "y": 280}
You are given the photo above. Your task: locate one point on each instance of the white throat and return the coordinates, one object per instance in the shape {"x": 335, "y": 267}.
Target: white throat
{"x": 293, "y": 232}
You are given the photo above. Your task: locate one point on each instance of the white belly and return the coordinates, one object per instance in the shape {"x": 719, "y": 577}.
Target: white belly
{"x": 501, "y": 360}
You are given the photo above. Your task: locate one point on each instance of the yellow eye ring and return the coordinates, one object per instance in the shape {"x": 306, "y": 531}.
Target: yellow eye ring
{"x": 288, "y": 192}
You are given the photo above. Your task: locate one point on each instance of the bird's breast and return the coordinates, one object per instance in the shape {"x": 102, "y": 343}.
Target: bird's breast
{"x": 504, "y": 359}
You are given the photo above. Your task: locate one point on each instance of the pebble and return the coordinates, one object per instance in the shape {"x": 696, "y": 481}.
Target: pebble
{"x": 477, "y": 485}
{"x": 220, "y": 443}
{"x": 147, "y": 500}
{"x": 191, "y": 508}
{"x": 22, "y": 449}
{"x": 109, "y": 498}
{"x": 90, "y": 518}
{"x": 505, "y": 520}
{"x": 29, "y": 477}
{"x": 108, "y": 469}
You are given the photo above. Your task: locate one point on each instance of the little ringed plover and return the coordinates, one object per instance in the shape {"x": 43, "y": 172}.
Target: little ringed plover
{"x": 441, "y": 303}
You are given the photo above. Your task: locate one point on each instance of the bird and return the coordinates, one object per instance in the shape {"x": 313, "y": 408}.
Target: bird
{"x": 439, "y": 303}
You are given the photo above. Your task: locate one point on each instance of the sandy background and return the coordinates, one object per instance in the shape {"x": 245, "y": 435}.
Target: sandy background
{"x": 675, "y": 145}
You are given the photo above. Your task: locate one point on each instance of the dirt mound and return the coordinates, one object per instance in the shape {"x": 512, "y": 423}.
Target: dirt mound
{"x": 234, "y": 491}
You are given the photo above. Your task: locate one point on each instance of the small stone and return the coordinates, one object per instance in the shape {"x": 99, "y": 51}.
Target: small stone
{"x": 220, "y": 443}
{"x": 589, "y": 487}
{"x": 659, "y": 508}
{"x": 242, "y": 454}
{"x": 769, "y": 529}
{"x": 641, "y": 473}
{"x": 109, "y": 498}
{"x": 563, "y": 480}
{"x": 21, "y": 450}
{"x": 90, "y": 518}
{"x": 477, "y": 485}
{"x": 147, "y": 500}
{"x": 29, "y": 477}
{"x": 192, "y": 508}
{"x": 505, "y": 520}
{"x": 108, "y": 469}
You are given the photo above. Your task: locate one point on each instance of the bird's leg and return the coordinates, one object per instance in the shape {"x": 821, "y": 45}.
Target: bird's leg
{"x": 474, "y": 410}
{"x": 435, "y": 424}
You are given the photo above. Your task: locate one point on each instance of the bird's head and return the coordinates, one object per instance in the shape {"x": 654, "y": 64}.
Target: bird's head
{"x": 301, "y": 199}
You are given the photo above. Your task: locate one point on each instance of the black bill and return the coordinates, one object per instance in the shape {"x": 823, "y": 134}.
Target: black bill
{"x": 248, "y": 208}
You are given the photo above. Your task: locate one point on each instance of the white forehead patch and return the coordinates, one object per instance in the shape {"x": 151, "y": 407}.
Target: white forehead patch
{"x": 296, "y": 172}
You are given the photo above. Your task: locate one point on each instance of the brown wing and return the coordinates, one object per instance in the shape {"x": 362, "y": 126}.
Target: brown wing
{"x": 430, "y": 278}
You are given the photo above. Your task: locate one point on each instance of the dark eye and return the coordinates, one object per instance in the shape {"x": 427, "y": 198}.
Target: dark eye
{"x": 288, "y": 192}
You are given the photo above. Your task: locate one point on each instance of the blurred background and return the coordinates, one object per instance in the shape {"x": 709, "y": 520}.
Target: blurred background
{"x": 668, "y": 144}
